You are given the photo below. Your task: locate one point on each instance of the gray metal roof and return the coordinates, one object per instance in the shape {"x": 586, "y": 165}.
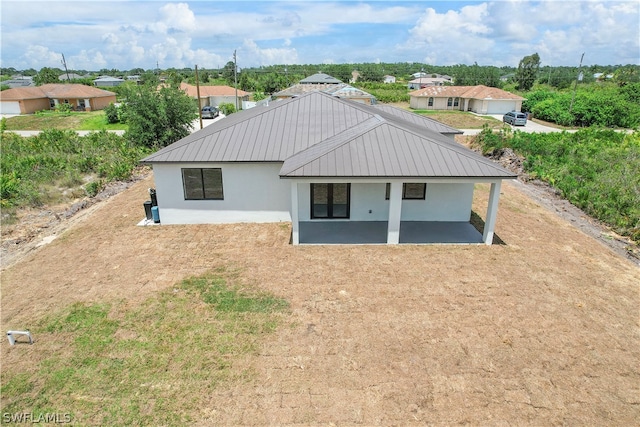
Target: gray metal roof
{"x": 321, "y": 135}
{"x": 320, "y": 78}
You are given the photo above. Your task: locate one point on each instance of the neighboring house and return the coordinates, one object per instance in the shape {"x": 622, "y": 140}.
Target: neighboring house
{"x": 479, "y": 99}
{"x": 389, "y": 79}
{"x": 27, "y": 100}
{"x": 340, "y": 90}
{"x": 340, "y": 171}
{"x": 69, "y": 76}
{"x": 418, "y": 75}
{"x": 320, "y": 78}
{"x": 19, "y": 81}
{"x": 421, "y": 82}
{"x": 107, "y": 81}
{"x": 215, "y": 95}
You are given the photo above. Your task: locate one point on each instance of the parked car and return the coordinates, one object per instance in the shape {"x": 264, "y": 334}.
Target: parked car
{"x": 515, "y": 118}
{"x": 210, "y": 112}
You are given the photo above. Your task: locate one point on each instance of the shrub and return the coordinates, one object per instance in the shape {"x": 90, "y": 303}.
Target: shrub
{"x": 111, "y": 114}
{"x": 227, "y": 108}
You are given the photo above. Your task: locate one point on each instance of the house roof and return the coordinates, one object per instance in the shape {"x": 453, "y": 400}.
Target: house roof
{"x": 108, "y": 79}
{"x": 318, "y": 135}
{"x": 192, "y": 90}
{"x": 476, "y": 92}
{"x": 318, "y": 78}
{"x": 54, "y": 91}
{"x": 341, "y": 90}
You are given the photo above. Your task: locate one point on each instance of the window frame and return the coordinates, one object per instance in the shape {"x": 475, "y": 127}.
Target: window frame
{"x": 450, "y": 102}
{"x": 456, "y": 102}
{"x": 430, "y": 102}
{"x": 202, "y": 183}
{"x": 330, "y": 201}
{"x": 404, "y": 191}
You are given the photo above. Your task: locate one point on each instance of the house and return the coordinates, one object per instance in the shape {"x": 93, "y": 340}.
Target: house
{"x": 389, "y": 79}
{"x": 108, "y": 81}
{"x": 69, "y": 76}
{"x": 340, "y": 90}
{"x": 215, "y": 95}
{"x": 18, "y": 81}
{"x": 340, "y": 171}
{"x": 27, "y": 100}
{"x": 479, "y": 99}
{"x": 421, "y": 82}
{"x": 320, "y": 78}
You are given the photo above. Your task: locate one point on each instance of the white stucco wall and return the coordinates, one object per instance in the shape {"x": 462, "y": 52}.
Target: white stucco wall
{"x": 443, "y": 202}
{"x": 253, "y": 192}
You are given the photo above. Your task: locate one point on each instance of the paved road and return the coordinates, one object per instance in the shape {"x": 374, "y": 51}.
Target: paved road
{"x": 529, "y": 127}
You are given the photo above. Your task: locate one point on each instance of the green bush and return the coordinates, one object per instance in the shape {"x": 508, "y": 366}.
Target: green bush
{"x": 60, "y": 158}
{"x": 227, "y": 108}
{"x": 597, "y": 170}
{"x": 111, "y": 114}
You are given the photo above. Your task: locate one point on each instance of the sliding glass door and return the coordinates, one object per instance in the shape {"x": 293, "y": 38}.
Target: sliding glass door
{"x": 330, "y": 201}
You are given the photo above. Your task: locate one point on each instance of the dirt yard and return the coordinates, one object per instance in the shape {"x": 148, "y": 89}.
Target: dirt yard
{"x": 542, "y": 330}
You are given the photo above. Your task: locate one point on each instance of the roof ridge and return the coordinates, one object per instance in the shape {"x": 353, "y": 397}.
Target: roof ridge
{"x": 330, "y": 144}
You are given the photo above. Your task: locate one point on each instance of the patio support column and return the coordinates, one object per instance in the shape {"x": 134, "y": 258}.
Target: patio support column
{"x": 395, "y": 212}
{"x": 492, "y": 213}
{"x": 295, "y": 221}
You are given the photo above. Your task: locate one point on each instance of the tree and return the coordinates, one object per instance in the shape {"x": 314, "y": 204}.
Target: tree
{"x": 47, "y": 75}
{"x": 527, "y": 71}
{"x": 158, "y": 115}
{"x": 228, "y": 72}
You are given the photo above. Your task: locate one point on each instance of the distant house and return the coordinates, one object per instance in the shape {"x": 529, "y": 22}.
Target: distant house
{"x": 27, "y": 100}
{"x": 421, "y": 82}
{"x": 19, "y": 81}
{"x": 215, "y": 95}
{"x": 340, "y": 90}
{"x": 69, "y": 76}
{"x": 107, "y": 81}
{"x": 320, "y": 78}
{"x": 339, "y": 171}
{"x": 418, "y": 75}
{"x": 389, "y": 79}
{"x": 479, "y": 99}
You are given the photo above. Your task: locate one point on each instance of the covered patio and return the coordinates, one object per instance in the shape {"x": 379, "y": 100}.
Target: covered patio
{"x": 375, "y": 232}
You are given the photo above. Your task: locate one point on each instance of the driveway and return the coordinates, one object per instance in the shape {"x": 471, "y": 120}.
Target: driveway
{"x": 530, "y": 127}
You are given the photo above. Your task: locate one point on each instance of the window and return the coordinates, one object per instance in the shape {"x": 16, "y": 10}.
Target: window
{"x": 449, "y": 102}
{"x": 202, "y": 184}
{"x": 410, "y": 191}
{"x": 456, "y": 102}
{"x": 52, "y": 103}
{"x": 431, "y": 102}
{"x": 330, "y": 201}
{"x": 66, "y": 101}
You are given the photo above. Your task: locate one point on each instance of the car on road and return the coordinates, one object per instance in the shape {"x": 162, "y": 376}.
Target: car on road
{"x": 515, "y": 118}
{"x": 209, "y": 112}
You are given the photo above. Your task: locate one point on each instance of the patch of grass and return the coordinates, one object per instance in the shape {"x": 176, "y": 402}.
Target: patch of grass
{"x": 93, "y": 120}
{"x": 461, "y": 119}
{"x": 148, "y": 365}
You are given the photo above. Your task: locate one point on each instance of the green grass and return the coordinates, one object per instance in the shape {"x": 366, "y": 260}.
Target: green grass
{"x": 93, "y": 120}
{"x": 153, "y": 364}
{"x": 461, "y": 119}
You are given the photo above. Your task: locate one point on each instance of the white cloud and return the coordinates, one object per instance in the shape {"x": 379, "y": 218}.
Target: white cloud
{"x": 251, "y": 53}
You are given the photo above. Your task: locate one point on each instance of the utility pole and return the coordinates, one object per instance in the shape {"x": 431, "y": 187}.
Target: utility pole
{"x": 235, "y": 77}
{"x": 198, "y": 94}
{"x": 575, "y": 87}
{"x": 64, "y": 62}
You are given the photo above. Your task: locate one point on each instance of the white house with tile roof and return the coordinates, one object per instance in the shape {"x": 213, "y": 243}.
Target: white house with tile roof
{"x": 332, "y": 167}
{"x": 479, "y": 99}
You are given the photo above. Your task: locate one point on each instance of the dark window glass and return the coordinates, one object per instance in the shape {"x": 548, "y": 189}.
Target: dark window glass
{"x": 202, "y": 184}
{"x": 430, "y": 102}
{"x": 449, "y": 102}
{"x": 410, "y": 191}
{"x": 330, "y": 200}
{"x": 456, "y": 102}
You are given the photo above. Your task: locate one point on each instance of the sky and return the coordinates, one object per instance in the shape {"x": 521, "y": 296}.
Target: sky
{"x": 125, "y": 34}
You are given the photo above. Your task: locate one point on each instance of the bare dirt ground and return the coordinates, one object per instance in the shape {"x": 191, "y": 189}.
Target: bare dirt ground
{"x": 542, "y": 330}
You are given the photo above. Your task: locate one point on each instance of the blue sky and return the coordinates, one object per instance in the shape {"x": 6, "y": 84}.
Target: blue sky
{"x": 129, "y": 34}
